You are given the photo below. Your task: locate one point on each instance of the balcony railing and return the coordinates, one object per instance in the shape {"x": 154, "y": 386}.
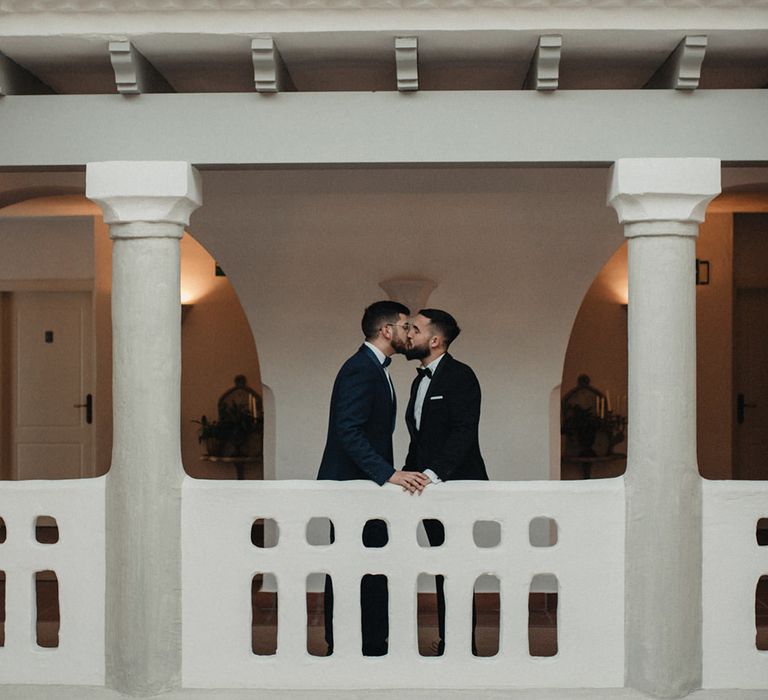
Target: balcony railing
{"x": 220, "y": 562}
{"x": 583, "y": 550}
{"x": 77, "y": 560}
{"x": 734, "y": 562}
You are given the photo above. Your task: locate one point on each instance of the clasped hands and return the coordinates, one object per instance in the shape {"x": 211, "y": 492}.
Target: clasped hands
{"x": 410, "y": 481}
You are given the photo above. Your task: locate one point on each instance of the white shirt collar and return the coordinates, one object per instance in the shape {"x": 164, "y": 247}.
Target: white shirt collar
{"x": 433, "y": 365}
{"x": 380, "y": 356}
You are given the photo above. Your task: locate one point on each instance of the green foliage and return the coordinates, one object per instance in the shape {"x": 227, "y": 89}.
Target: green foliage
{"x": 230, "y": 433}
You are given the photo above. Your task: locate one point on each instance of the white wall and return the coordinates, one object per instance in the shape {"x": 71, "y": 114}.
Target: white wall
{"x": 513, "y": 252}
{"x": 46, "y": 248}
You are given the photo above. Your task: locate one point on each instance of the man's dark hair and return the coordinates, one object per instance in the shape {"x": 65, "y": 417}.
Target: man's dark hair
{"x": 379, "y": 314}
{"x": 444, "y": 323}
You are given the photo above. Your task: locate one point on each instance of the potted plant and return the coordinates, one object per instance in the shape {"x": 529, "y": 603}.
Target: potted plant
{"x": 213, "y": 435}
{"x": 229, "y": 435}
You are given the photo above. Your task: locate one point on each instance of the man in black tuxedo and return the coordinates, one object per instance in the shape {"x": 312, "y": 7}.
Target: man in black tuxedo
{"x": 442, "y": 418}
{"x": 359, "y": 446}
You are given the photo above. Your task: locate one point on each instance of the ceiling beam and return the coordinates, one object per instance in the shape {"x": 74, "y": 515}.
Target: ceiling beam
{"x": 134, "y": 74}
{"x": 269, "y": 71}
{"x": 682, "y": 70}
{"x": 407, "y": 62}
{"x": 15, "y": 80}
{"x": 544, "y": 71}
{"x": 380, "y": 128}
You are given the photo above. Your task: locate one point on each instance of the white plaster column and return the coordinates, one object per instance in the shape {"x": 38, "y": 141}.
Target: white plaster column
{"x": 661, "y": 202}
{"x": 147, "y": 205}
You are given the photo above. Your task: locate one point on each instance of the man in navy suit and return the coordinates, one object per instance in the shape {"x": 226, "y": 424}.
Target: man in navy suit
{"x": 442, "y": 418}
{"x": 359, "y": 446}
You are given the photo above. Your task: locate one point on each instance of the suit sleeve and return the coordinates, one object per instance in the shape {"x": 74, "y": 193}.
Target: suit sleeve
{"x": 356, "y": 396}
{"x": 464, "y": 416}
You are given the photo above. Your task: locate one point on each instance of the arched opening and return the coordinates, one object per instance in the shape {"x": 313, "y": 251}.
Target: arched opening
{"x": 56, "y": 246}
{"x": 732, "y": 325}
{"x": 216, "y": 346}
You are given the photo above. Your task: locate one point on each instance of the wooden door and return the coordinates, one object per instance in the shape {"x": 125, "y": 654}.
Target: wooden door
{"x": 51, "y": 367}
{"x": 750, "y": 362}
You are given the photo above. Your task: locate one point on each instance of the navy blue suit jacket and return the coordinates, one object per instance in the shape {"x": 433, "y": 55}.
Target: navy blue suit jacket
{"x": 361, "y": 422}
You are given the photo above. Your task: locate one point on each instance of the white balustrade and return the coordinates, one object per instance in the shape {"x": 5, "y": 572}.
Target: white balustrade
{"x": 219, "y": 562}
{"x": 733, "y": 564}
{"x": 77, "y": 559}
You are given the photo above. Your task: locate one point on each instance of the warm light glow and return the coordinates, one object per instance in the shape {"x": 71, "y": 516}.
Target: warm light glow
{"x": 193, "y": 290}
{"x": 197, "y": 271}
{"x": 614, "y": 276}
{"x": 620, "y": 290}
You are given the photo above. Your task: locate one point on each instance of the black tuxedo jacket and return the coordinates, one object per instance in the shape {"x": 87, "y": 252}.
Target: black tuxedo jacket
{"x": 361, "y": 422}
{"x": 447, "y": 441}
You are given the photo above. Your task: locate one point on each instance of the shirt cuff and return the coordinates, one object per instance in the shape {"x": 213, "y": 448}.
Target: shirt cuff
{"x": 435, "y": 478}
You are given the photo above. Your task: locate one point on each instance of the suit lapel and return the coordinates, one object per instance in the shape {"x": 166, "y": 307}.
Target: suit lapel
{"x": 434, "y": 386}
{"x": 410, "y": 419}
{"x": 390, "y": 387}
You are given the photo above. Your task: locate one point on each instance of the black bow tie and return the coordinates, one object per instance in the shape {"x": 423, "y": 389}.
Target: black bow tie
{"x": 422, "y": 371}
{"x": 387, "y": 361}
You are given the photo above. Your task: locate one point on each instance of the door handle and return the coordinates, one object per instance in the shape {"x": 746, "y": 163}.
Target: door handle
{"x": 88, "y": 406}
{"x": 740, "y": 406}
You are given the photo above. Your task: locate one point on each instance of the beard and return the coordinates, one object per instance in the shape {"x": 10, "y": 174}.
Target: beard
{"x": 416, "y": 352}
{"x": 399, "y": 346}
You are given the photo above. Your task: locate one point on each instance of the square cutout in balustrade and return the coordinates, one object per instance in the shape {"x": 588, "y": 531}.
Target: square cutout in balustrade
{"x": 761, "y": 532}
{"x": 435, "y": 531}
{"x": 486, "y": 533}
{"x": 264, "y": 533}
{"x": 320, "y": 532}
{"x": 376, "y": 533}
{"x": 46, "y": 529}
{"x": 543, "y": 532}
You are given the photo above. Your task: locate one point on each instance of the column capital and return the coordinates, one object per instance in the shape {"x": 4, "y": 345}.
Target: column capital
{"x": 149, "y": 191}
{"x": 644, "y": 190}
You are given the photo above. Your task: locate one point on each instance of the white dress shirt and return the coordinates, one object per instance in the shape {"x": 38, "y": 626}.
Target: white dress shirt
{"x": 418, "y": 404}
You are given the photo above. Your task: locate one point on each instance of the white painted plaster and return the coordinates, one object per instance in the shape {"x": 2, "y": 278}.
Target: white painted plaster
{"x": 733, "y": 563}
{"x": 219, "y": 563}
{"x": 661, "y": 201}
{"x": 663, "y": 189}
{"x": 384, "y": 127}
{"x": 78, "y": 561}
{"x": 157, "y": 191}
